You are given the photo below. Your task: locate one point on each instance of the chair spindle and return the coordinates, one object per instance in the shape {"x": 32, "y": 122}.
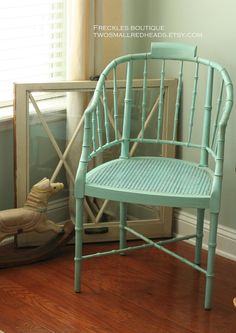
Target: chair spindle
{"x": 94, "y": 132}
{"x": 115, "y": 102}
{"x": 99, "y": 128}
{"x": 161, "y": 102}
{"x": 106, "y": 117}
{"x": 144, "y": 100}
{"x": 177, "y": 103}
{"x": 193, "y": 105}
{"x": 218, "y": 109}
{"x": 207, "y": 118}
{"x": 127, "y": 111}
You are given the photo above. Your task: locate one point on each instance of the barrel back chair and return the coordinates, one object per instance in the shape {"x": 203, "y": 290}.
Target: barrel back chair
{"x": 204, "y": 99}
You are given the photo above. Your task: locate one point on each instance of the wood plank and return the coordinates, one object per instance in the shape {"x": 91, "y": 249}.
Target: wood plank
{"x": 145, "y": 291}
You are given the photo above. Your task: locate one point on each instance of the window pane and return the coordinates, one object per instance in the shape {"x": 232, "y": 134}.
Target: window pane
{"x": 32, "y": 43}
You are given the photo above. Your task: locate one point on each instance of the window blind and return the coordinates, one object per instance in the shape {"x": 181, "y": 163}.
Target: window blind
{"x": 32, "y": 43}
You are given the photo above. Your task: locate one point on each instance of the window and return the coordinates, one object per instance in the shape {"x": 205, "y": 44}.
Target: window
{"x": 32, "y": 43}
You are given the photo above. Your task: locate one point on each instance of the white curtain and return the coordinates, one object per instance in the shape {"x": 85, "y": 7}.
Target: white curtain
{"x": 80, "y": 66}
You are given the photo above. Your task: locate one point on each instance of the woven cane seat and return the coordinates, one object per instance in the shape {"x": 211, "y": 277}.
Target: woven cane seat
{"x": 151, "y": 177}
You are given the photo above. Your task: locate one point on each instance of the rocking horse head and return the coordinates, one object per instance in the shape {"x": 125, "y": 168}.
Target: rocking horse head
{"x": 41, "y": 192}
{"x": 45, "y": 186}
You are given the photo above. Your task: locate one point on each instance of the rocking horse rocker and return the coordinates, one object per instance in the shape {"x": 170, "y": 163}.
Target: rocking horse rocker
{"x": 33, "y": 217}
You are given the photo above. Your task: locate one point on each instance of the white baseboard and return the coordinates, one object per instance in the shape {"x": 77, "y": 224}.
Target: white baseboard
{"x": 185, "y": 223}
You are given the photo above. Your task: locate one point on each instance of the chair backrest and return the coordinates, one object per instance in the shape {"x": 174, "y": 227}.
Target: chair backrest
{"x": 203, "y": 103}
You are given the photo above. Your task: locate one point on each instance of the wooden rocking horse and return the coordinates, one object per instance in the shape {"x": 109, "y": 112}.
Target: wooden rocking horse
{"x": 33, "y": 217}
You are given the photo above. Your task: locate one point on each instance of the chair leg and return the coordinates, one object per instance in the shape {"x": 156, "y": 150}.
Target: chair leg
{"x": 211, "y": 260}
{"x": 78, "y": 242}
{"x": 123, "y": 223}
{"x": 198, "y": 248}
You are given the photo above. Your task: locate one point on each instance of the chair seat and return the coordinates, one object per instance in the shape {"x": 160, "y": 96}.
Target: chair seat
{"x": 153, "y": 180}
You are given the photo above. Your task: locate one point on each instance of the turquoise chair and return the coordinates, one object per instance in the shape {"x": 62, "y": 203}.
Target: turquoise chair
{"x": 154, "y": 180}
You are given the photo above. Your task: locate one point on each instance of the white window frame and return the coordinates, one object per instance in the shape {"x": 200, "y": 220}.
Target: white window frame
{"x": 6, "y": 105}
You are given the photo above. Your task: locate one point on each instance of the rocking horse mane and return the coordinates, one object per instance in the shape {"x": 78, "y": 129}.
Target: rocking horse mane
{"x": 36, "y": 200}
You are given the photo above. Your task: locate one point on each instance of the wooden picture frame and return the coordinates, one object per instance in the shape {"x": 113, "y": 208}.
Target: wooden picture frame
{"x": 24, "y": 96}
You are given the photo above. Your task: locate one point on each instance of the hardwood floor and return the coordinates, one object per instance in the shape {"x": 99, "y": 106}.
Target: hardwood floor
{"x": 146, "y": 291}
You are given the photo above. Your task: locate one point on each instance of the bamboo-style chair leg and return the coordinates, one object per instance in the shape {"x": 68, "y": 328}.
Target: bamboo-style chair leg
{"x": 198, "y": 248}
{"x": 78, "y": 242}
{"x": 123, "y": 223}
{"x": 211, "y": 260}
